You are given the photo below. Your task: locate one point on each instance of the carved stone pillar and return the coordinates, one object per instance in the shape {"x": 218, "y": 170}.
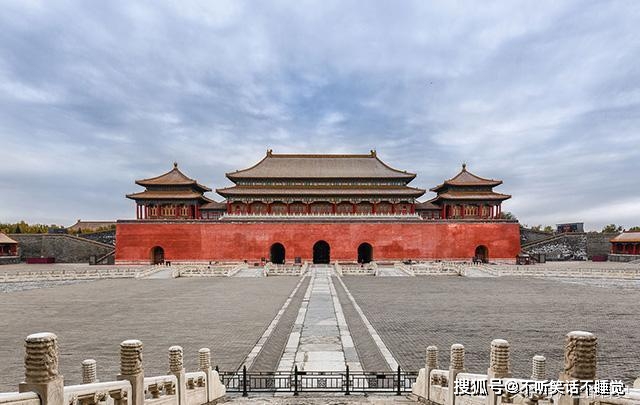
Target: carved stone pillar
{"x": 89, "y": 374}
{"x": 131, "y": 369}
{"x": 456, "y": 366}
{"x": 41, "y": 369}
{"x": 579, "y": 361}
{"x": 499, "y": 366}
{"x": 539, "y": 368}
{"x": 431, "y": 364}
{"x": 176, "y": 367}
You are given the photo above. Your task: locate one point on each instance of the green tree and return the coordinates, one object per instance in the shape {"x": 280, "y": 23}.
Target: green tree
{"x": 508, "y": 215}
{"x": 548, "y": 229}
{"x": 612, "y": 228}
{"x": 634, "y": 229}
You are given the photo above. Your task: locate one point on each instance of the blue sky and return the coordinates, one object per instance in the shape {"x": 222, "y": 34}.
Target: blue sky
{"x": 544, "y": 95}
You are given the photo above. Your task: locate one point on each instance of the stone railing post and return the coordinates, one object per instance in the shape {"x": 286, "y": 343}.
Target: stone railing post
{"x": 131, "y": 369}
{"x": 499, "y": 366}
{"x": 89, "y": 373}
{"x": 539, "y": 368}
{"x": 431, "y": 364}
{"x": 204, "y": 358}
{"x": 41, "y": 369}
{"x": 579, "y": 360}
{"x": 456, "y": 366}
{"x": 176, "y": 367}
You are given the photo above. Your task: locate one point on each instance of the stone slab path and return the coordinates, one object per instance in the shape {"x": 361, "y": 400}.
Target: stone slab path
{"x": 320, "y": 339}
{"x": 391, "y": 272}
{"x": 162, "y": 274}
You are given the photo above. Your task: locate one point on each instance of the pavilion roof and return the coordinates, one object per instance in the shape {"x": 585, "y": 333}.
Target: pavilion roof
{"x": 168, "y": 195}
{"x": 426, "y": 205}
{"x": 466, "y": 178}
{"x": 321, "y": 166}
{"x": 173, "y": 177}
{"x": 4, "y": 239}
{"x": 471, "y": 195}
{"x": 90, "y": 225}
{"x": 214, "y": 205}
{"x": 321, "y": 191}
{"x": 633, "y": 237}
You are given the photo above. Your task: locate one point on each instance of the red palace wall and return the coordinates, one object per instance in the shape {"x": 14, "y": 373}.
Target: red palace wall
{"x": 224, "y": 241}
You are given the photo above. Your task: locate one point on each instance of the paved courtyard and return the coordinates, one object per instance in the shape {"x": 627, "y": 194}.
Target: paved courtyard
{"x": 403, "y": 315}
{"x": 227, "y": 315}
{"x": 534, "y": 315}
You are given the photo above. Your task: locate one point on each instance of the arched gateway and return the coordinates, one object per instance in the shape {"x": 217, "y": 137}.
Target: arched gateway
{"x": 482, "y": 254}
{"x": 157, "y": 255}
{"x": 321, "y": 252}
{"x": 277, "y": 253}
{"x": 365, "y": 253}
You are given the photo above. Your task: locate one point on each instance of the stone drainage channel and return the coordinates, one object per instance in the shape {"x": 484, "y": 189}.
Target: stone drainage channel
{"x": 319, "y": 340}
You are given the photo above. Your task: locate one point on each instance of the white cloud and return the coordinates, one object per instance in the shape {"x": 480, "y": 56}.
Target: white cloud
{"x": 544, "y": 95}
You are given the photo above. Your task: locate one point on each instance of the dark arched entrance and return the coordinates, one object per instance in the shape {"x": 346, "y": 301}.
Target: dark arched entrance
{"x": 277, "y": 253}
{"x": 157, "y": 255}
{"x": 321, "y": 252}
{"x": 365, "y": 253}
{"x": 482, "y": 254}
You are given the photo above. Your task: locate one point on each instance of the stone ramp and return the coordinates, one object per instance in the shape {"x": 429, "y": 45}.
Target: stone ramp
{"x": 162, "y": 274}
{"x": 250, "y": 272}
{"x": 390, "y": 272}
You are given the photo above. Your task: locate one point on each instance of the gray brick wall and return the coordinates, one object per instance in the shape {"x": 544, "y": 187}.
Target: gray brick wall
{"x": 598, "y": 243}
{"x": 65, "y": 248}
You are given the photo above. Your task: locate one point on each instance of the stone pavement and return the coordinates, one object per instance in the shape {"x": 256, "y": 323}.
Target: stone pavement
{"x": 226, "y": 314}
{"x": 368, "y": 352}
{"x": 320, "y": 339}
{"x": 532, "y": 314}
{"x": 271, "y": 350}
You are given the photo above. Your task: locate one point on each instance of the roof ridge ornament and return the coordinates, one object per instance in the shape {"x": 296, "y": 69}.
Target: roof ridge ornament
{"x": 175, "y": 165}
{"x": 374, "y": 153}
{"x": 269, "y": 152}
{"x": 464, "y": 166}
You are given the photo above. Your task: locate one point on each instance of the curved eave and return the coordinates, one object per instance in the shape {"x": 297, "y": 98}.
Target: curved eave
{"x": 487, "y": 183}
{"x": 493, "y": 197}
{"x": 142, "y": 196}
{"x": 241, "y": 174}
{"x": 232, "y": 192}
{"x": 195, "y": 184}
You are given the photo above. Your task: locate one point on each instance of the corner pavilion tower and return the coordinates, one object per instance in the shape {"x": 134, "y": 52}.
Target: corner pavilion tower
{"x": 298, "y": 202}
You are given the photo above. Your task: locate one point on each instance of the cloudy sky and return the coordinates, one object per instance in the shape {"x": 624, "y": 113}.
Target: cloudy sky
{"x": 544, "y": 95}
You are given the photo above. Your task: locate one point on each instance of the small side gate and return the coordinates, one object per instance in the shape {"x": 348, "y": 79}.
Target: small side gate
{"x": 398, "y": 382}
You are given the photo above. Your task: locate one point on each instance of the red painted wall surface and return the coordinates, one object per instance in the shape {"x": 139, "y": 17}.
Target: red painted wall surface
{"x": 251, "y": 241}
